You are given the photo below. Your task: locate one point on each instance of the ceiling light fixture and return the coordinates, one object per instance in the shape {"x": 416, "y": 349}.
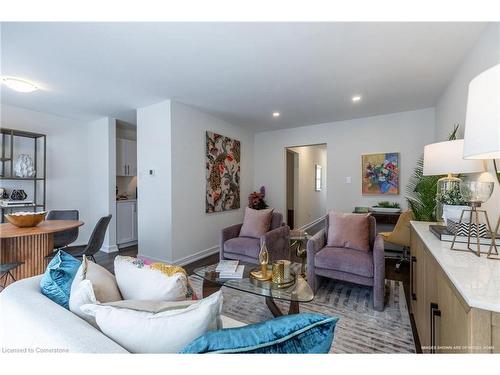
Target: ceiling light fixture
{"x": 18, "y": 84}
{"x": 276, "y": 114}
{"x": 356, "y": 98}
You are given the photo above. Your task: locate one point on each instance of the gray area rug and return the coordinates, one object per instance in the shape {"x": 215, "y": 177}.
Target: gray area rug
{"x": 360, "y": 329}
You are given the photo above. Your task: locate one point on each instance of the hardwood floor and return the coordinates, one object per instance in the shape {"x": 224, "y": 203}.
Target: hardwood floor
{"x": 106, "y": 260}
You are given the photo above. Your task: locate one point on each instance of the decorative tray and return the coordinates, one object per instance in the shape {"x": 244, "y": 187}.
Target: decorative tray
{"x": 386, "y": 209}
{"x": 268, "y": 284}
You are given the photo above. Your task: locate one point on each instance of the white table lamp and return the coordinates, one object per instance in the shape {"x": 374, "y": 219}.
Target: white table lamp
{"x": 446, "y": 158}
{"x": 482, "y": 126}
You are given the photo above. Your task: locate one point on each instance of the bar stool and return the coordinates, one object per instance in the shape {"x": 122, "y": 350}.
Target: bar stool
{"x": 5, "y": 272}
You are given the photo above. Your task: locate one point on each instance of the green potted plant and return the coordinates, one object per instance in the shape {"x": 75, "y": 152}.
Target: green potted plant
{"x": 453, "y": 204}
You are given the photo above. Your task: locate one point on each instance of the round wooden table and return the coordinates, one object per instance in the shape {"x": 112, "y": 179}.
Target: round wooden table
{"x": 31, "y": 245}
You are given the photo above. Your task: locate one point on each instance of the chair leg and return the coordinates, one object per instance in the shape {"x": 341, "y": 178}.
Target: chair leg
{"x": 5, "y": 276}
{"x": 403, "y": 258}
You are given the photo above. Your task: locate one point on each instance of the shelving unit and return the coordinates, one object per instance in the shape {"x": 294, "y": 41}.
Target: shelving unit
{"x": 7, "y": 165}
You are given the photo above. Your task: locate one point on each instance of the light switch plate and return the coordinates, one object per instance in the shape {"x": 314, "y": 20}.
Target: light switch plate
{"x": 348, "y": 180}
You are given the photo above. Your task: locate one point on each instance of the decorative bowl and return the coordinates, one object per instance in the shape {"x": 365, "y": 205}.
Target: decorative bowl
{"x": 26, "y": 219}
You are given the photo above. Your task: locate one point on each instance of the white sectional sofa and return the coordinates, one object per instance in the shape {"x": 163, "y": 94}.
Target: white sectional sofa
{"x": 29, "y": 321}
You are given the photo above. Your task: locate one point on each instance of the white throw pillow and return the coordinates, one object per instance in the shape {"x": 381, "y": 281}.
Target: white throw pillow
{"x": 92, "y": 284}
{"x": 165, "y": 332}
{"x": 138, "y": 281}
{"x": 152, "y": 306}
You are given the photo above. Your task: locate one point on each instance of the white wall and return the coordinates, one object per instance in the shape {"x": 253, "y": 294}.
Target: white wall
{"x": 102, "y": 177}
{"x": 68, "y": 172}
{"x": 194, "y": 232}
{"x": 404, "y": 132}
{"x": 154, "y": 204}
{"x": 451, "y": 106}
{"x": 311, "y": 204}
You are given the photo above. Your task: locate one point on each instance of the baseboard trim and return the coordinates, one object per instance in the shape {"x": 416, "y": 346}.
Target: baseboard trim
{"x": 154, "y": 259}
{"x": 186, "y": 260}
{"x": 126, "y": 244}
{"x": 109, "y": 249}
{"x": 199, "y": 255}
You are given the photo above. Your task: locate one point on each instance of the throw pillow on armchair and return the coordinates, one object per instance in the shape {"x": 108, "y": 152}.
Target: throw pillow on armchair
{"x": 349, "y": 230}
{"x": 256, "y": 222}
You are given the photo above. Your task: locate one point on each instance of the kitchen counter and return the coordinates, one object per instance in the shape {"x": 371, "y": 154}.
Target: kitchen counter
{"x": 126, "y": 200}
{"x": 477, "y": 279}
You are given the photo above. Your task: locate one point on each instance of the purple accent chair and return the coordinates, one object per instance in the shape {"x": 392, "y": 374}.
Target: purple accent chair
{"x": 247, "y": 249}
{"x": 355, "y": 266}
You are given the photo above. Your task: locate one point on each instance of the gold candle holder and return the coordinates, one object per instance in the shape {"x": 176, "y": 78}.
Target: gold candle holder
{"x": 278, "y": 272}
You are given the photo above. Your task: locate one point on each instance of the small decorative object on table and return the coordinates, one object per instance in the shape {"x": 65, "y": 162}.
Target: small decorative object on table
{"x": 18, "y": 195}
{"x": 278, "y": 272}
{"x": 275, "y": 276}
{"x": 298, "y": 239}
{"x": 386, "y": 206}
{"x": 361, "y": 210}
{"x": 475, "y": 193}
{"x": 25, "y": 219}
{"x": 453, "y": 204}
{"x": 263, "y": 274}
{"x": 24, "y": 166}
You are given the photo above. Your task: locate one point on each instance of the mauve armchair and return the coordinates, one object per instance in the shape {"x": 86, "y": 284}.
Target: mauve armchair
{"x": 355, "y": 266}
{"x": 247, "y": 249}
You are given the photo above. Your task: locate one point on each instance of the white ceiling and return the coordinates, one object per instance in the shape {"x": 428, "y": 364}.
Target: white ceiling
{"x": 240, "y": 72}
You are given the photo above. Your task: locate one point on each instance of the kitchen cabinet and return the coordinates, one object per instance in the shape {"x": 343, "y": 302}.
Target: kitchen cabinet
{"x": 449, "y": 316}
{"x": 126, "y": 222}
{"x": 126, "y": 157}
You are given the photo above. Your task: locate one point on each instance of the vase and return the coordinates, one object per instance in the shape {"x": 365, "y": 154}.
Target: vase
{"x": 451, "y": 212}
{"x": 24, "y": 166}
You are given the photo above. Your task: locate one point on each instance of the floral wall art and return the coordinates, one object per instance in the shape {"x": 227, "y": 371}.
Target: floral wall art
{"x": 380, "y": 174}
{"x": 222, "y": 172}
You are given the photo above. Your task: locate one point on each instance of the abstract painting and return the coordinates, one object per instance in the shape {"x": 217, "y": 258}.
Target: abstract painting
{"x": 380, "y": 174}
{"x": 223, "y": 173}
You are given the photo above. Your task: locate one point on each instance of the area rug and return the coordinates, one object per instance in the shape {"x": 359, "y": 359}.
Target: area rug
{"x": 360, "y": 328}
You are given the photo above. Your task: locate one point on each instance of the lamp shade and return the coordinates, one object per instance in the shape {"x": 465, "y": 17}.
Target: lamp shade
{"x": 482, "y": 121}
{"x": 447, "y": 157}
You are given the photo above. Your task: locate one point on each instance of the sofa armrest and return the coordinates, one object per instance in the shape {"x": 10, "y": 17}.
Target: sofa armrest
{"x": 277, "y": 243}
{"x": 315, "y": 244}
{"x": 28, "y": 319}
{"x": 378, "y": 273}
{"x": 226, "y": 234}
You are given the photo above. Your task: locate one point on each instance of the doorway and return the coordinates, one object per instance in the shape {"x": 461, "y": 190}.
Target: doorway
{"x": 305, "y": 188}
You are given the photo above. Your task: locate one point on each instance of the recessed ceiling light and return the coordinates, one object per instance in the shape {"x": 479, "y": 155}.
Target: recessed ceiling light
{"x": 276, "y": 114}
{"x": 356, "y": 98}
{"x": 18, "y": 84}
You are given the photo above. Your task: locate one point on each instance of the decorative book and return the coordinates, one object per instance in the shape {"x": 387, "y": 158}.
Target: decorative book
{"x": 227, "y": 266}
{"x": 444, "y": 234}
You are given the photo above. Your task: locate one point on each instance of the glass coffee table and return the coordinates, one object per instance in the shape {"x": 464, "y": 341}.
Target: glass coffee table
{"x": 300, "y": 292}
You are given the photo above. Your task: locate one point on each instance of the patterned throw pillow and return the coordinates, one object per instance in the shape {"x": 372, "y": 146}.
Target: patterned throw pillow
{"x": 300, "y": 333}
{"x": 139, "y": 281}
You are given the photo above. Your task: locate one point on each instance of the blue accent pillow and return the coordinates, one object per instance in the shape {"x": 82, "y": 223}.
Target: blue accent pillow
{"x": 57, "y": 279}
{"x": 300, "y": 333}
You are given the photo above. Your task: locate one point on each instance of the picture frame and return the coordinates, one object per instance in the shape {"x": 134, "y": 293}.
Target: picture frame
{"x": 380, "y": 173}
{"x": 318, "y": 177}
